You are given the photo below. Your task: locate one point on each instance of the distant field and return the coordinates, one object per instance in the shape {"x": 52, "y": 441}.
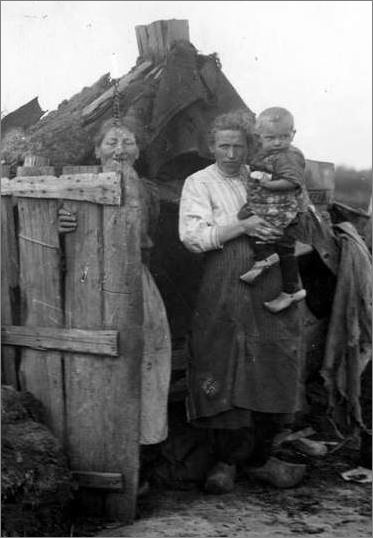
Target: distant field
{"x": 353, "y": 187}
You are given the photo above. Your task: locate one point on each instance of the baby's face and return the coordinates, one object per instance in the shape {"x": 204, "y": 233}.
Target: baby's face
{"x": 275, "y": 136}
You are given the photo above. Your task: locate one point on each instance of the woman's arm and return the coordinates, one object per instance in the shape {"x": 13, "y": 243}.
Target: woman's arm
{"x": 197, "y": 229}
{"x": 252, "y": 226}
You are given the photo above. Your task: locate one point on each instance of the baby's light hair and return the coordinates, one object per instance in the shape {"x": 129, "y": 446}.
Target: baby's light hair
{"x": 275, "y": 115}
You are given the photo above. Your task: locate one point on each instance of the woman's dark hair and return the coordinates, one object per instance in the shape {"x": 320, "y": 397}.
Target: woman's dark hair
{"x": 240, "y": 120}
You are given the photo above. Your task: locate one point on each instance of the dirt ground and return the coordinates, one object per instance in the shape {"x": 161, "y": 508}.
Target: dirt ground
{"x": 323, "y": 504}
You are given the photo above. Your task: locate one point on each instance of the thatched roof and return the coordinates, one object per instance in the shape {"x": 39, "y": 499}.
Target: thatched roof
{"x": 23, "y": 117}
{"x": 171, "y": 101}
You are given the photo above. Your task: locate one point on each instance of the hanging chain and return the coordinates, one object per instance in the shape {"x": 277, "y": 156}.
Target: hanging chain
{"x": 116, "y": 99}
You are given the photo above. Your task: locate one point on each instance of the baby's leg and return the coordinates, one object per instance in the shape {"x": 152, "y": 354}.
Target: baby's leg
{"x": 292, "y": 290}
{"x": 288, "y": 264}
{"x": 264, "y": 257}
{"x": 262, "y": 251}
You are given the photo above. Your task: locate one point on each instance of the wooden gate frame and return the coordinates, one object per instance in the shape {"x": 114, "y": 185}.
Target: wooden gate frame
{"x": 80, "y": 332}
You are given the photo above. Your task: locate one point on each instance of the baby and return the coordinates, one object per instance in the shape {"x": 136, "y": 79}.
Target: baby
{"x": 277, "y": 193}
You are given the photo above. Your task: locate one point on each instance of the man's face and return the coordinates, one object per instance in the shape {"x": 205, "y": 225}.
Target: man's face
{"x": 118, "y": 146}
{"x": 276, "y": 136}
{"x": 230, "y": 151}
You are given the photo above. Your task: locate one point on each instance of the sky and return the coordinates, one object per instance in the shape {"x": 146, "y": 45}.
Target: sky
{"x": 312, "y": 57}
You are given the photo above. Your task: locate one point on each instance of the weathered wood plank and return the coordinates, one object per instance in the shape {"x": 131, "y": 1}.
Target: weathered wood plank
{"x": 71, "y": 340}
{"x": 152, "y": 45}
{"x": 41, "y": 304}
{"x": 105, "y": 249}
{"x": 104, "y": 188}
{"x": 106, "y": 481}
{"x": 100, "y": 104}
{"x": 178, "y": 29}
{"x": 154, "y": 73}
{"x": 35, "y": 161}
{"x": 88, "y": 380}
{"x": 35, "y": 171}
{"x": 5, "y": 170}
{"x": 123, "y": 310}
{"x": 9, "y": 284}
{"x": 85, "y": 169}
{"x": 141, "y": 39}
{"x": 159, "y": 45}
{"x": 155, "y": 39}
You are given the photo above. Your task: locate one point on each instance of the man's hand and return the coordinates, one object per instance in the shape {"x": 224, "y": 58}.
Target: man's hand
{"x": 66, "y": 221}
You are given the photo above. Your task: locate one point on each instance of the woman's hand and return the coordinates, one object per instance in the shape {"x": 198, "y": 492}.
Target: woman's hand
{"x": 256, "y": 226}
{"x": 66, "y": 221}
{"x": 253, "y": 226}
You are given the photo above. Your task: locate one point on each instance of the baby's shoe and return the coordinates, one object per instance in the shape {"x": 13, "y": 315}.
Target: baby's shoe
{"x": 284, "y": 300}
{"x": 259, "y": 268}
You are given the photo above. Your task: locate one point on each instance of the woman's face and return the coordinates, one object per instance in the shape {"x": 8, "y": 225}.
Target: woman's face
{"x": 117, "y": 146}
{"x": 230, "y": 151}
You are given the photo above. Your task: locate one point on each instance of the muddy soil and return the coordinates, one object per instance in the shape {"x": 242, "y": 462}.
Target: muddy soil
{"x": 324, "y": 504}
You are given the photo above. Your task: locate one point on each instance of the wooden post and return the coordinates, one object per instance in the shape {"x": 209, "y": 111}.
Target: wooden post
{"x": 41, "y": 372}
{"x": 9, "y": 285}
{"x": 155, "y": 39}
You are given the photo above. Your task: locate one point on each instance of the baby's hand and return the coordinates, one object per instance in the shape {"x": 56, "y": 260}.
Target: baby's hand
{"x": 261, "y": 177}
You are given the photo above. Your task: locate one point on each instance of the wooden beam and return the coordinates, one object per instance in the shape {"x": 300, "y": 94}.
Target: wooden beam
{"x": 73, "y": 340}
{"x": 104, "y": 188}
{"x": 94, "y": 480}
{"x": 101, "y": 104}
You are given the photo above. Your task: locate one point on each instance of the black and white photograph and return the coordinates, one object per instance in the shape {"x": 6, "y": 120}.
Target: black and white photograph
{"x": 186, "y": 268}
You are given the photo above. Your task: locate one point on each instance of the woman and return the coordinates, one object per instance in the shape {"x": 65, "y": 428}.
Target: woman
{"x": 116, "y": 147}
{"x": 245, "y": 366}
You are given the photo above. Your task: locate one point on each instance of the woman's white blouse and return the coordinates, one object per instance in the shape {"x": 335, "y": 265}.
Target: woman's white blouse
{"x": 208, "y": 200}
